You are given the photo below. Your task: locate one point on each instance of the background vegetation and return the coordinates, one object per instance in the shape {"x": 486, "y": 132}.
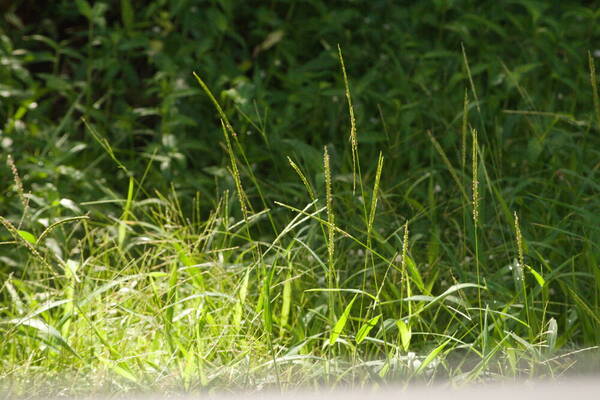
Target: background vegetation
{"x": 155, "y": 238}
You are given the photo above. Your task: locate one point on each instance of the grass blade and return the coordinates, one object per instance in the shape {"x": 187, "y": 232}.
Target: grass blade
{"x": 405, "y": 333}
{"x": 353, "y": 137}
{"x": 594, "y": 83}
{"x": 366, "y": 328}
{"x": 286, "y": 305}
{"x": 431, "y": 356}
{"x": 341, "y": 322}
{"x": 122, "y": 231}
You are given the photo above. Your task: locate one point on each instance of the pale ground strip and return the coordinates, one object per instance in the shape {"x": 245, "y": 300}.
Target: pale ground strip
{"x": 562, "y": 389}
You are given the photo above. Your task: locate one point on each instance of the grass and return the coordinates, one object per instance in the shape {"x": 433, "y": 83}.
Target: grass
{"x": 155, "y": 300}
{"x": 379, "y": 254}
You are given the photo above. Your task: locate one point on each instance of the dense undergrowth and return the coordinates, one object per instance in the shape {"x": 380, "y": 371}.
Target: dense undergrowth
{"x": 427, "y": 211}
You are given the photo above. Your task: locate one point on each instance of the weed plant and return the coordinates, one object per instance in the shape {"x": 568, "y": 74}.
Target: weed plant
{"x": 435, "y": 225}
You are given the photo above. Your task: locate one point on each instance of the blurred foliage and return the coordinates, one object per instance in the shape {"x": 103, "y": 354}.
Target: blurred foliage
{"x": 126, "y": 66}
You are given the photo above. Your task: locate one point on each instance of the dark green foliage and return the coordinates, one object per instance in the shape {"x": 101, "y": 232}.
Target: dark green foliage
{"x": 126, "y": 66}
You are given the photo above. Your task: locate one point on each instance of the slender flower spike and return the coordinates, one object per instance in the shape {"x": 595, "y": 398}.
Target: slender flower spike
{"x": 353, "y": 137}
{"x": 519, "y": 241}
{"x": 475, "y": 178}
{"x": 329, "y": 205}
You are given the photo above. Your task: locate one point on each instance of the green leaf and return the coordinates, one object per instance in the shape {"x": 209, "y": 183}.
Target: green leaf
{"x": 366, "y": 328}
{"x": 433, "y": 300}
{"x": 71, "y": 267}
{"x": 43, "y": 327}
{"x": 70, "y": 205}
{"x": 552, "y": 333}
{"x": 538, "y": 277}
{"x": 239, "y": 306}
{"x": 285, "y": 307}
{"x": 85, "y": 9}
{"x": 120, "y": 368}
{"x": 127, "y": 14}
{"x": 267, "y": 310}
{"x": 122, "y": 230}
{"x": 414, "y": 272}
{"x": 27, "y": 236}
{"x": 405, "y": 333}
{"x": 431, "y": 356}
{"x": 341, "y": 323}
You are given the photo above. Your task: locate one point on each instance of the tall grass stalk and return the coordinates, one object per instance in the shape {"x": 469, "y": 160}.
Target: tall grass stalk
{"x": 475, "y": 174}
{"x": 239, "y": 147}
{"x": 594, "y": 83}
{"x": 305, "y": 182}
{"x": 475, "y": 208}
{"x": 369, "y": 255}
{"x": 18, "y": 184}
{"x": 374, "y": 196}
{"x": 520, "y": 274}
{"x": 330, "y": 230}
{"x": 404, "y": 323}
{"x": 464, "y": 132}
{"x": 449, "y": 165}
{"x": 403, "y": 262}
{"x": 353, "y": 136}
{"x": 243, "y": 199}
{"x": 470, "y": 77}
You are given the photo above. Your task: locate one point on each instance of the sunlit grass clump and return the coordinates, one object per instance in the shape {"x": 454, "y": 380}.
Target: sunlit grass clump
{"x": 332, "y": 285}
